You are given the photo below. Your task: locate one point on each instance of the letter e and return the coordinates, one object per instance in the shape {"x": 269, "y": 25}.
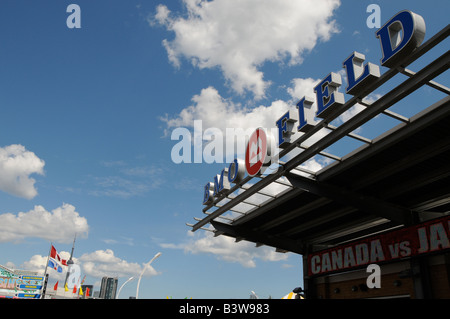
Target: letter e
{"x": 285, "y": 125}
{"x": 327, "y": 95}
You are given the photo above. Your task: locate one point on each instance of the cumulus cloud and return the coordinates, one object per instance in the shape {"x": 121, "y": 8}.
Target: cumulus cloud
{"x": 302, "y": 87}
{"x": 16, "y": 166}
{"x": 104, "y": 263}
{"x": 37, "y": 263}
{"x": 227, "y": 249}
{"x": 98, "y": 264}
{"x": 218, "y": 112}
{"x": 225, "y": 123}
{"x": 59, "y": 225}
{"x": 219, "y": 116}
{"x": 238, "y": 37}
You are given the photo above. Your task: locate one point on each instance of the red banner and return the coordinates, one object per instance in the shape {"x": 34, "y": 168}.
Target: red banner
{"x": 428, "y": 237}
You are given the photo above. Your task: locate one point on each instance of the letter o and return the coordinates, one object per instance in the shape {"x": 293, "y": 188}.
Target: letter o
{"x": 236, "y": 171}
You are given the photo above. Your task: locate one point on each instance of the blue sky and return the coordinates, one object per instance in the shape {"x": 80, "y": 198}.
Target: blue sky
{"x": 86, "y": 117}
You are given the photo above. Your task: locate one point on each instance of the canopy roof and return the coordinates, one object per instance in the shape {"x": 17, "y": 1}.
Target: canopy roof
{"x": 398, "y": 178}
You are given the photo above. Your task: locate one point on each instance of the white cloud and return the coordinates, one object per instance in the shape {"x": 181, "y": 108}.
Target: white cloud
{"x": 302, "y": 87}
{"x": 16, "y": 166}
{"x": 59, "y": 225}
{"x": 104, "y": 263}
{"x": 36, "y": 263}
{"x": 227, "y": 249}
{"x": 240, "y": 36}
{"x": 96, "y": 264}
{"x": 226, "y": 121}
{"x": 217, "y": 112}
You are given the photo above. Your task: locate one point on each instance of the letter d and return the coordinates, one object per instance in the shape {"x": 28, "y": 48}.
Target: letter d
{"x": 402, "y": 34}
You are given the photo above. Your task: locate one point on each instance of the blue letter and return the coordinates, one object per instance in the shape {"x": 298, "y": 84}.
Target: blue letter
{"x": 327, "y": 94}
{"x": 236, "y": 171}
{"x": 208, "y": 194}
{"x": 285, "y": 125}
{"x": 366, "y": 74}
{"x": 306, "y": 119}
{"x": 220, "y": 184}
{"x": 403, "y": 33}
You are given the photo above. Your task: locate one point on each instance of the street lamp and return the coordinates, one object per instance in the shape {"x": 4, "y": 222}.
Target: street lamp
{"x": 143, "y": 270}
{"x": 129, "y": 279}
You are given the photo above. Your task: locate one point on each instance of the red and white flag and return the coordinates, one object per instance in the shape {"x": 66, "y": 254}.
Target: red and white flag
{"x": 54, "y": 254}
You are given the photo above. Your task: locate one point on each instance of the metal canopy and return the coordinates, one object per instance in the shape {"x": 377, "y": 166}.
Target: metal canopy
{"x": 398, "y": 178}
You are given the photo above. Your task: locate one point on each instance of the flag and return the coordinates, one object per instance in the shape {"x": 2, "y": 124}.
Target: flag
{"x": 53, "y": 264}
{"x": 87, "y": 292}
{"x": 65, "y": 288}
{"x": 56, "y": 286}
{"x": 74, "y": 289}
{"x": 54, "y": 254}
{"x": 81, "y": 292}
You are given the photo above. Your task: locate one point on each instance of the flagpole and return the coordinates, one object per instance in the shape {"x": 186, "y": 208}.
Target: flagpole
{"x": 46, "y": 265}
{"x": 70, "y": 261}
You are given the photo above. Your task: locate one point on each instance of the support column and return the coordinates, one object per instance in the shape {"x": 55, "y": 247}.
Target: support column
{"x": 421, "y": 278}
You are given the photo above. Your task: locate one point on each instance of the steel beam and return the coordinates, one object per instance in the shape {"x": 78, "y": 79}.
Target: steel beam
{"x": 367, "y": 204}
{"x": 258, "y": 237}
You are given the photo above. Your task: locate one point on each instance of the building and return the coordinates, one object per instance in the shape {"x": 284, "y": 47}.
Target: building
{"x": 108, "y": 288}
{"x": 374, "y": 222}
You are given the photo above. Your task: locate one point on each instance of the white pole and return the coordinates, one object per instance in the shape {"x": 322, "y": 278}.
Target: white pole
{"x": 143, "y": 270}
{"x": 129, "y": 279}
